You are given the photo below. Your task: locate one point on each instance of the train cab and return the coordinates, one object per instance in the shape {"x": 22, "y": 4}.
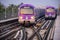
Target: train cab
{"x": 26, "y": 14}
{"x": 50, "y": 13}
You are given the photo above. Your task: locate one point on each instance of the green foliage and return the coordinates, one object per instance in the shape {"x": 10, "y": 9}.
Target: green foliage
{"x": 2, "y": 8}
{"x": 9, "y": 8}
{"x": 12, "y": 7}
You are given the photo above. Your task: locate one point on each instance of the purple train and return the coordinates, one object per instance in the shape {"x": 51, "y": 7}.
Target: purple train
{"x": 26, "y": 14}
{"x": 50, "y": 13}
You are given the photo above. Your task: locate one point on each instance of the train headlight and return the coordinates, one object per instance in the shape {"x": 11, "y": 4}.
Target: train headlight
{"x": 20, "y": 17}
{"x": 32, "y": 17}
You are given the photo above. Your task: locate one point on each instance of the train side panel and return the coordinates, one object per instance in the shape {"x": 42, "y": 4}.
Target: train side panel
{"x": 39, "y": 13}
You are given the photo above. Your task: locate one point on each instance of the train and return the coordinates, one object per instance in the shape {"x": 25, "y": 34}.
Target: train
{"x": 39, "y": 13}
{"x": 28, "y": 14}
{"x": 50, "y": 13}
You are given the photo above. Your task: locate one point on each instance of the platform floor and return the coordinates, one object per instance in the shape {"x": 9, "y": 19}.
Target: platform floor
{"x": 57, "y": 29}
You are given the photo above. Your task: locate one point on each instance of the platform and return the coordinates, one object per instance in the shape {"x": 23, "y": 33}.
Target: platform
{"x": 8, "y": 19}
{"x": 57, "y": 29}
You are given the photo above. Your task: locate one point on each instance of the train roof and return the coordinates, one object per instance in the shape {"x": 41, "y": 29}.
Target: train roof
{"x": 50, "y": 7}
{"x": 26, "y": 5}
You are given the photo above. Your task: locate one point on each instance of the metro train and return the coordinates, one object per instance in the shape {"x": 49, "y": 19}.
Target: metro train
{"x": 50, "y": 13}
{"x": 28, "y": 14}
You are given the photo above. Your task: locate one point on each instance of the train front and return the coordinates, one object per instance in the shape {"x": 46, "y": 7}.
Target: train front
{"x": 50, "y": 13}
{"x": 26, "y": 14}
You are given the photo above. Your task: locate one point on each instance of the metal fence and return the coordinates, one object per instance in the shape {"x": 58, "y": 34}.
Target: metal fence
{"x": 8, "y": 14}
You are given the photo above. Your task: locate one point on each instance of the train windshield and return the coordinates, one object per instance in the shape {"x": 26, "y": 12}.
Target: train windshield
{"x": 26, "y": 11}
{"x": 50, "y": 10}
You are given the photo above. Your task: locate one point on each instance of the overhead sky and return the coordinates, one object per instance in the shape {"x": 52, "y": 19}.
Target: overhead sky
{"x": 36, "y": 3}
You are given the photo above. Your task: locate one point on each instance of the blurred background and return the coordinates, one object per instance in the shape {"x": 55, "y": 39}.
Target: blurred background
{"x": 9, "y": 8}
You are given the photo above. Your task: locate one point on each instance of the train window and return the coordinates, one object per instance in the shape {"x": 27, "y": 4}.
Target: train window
{"x": 50, "y": 10}
{"x": 26, "y": 11}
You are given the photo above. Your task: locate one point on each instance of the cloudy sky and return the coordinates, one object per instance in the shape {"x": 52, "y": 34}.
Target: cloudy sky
{"x": 36, "y": 3}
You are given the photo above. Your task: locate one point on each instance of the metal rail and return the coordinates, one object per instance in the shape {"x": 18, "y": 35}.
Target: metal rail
{"x": 47, "y": 25}
{"x": 15, "y": 32}
{"x": 36, "y": 32}
{"x": 9, "y": 28}
{"x": 9, "y": 33}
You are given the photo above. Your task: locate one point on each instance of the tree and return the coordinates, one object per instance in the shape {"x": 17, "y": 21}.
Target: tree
{"x": 1, "y": 8}
{"x": 12, "y": 6}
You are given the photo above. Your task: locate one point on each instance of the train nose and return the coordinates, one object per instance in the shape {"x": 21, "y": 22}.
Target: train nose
{"x": 49, "y": 14}
{"x": 26, "y": 17}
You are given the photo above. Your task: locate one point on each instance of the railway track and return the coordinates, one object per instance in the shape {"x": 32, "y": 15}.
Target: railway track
{"x": 36, "y": 31}
{"x": 42, "y": 31}
{"x": 5, "y": 27}
{"x": 8, "y": 29}
{"x": 11, "y": 30}
{"x": 15, "y": 31}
